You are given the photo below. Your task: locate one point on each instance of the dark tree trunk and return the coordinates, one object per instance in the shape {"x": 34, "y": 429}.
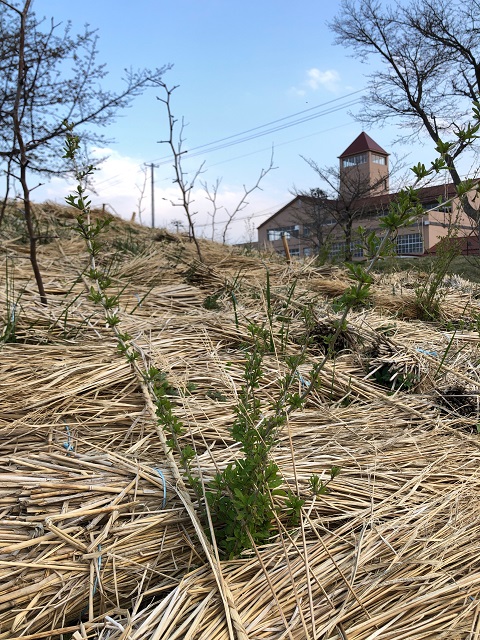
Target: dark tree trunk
{"x": 18, "y": 139}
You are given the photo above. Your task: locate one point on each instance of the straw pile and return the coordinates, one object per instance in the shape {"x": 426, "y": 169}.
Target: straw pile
{"x": 95, "y": 539}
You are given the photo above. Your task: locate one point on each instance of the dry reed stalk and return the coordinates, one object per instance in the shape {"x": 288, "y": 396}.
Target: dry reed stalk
{"x": 391, "y": 552}
{"x": 97, "y": 525}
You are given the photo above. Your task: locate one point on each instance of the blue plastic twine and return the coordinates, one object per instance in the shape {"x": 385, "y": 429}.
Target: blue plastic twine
{"x": 68, "y": 445}
{"x": 160, "y": 473}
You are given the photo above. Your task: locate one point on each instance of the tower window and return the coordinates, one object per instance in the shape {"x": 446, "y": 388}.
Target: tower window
{"x": 379, "y": 159}
{"x": 352, "y": 161}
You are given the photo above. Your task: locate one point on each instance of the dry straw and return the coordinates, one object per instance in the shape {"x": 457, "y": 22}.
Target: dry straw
{"x": 95, "y": 541}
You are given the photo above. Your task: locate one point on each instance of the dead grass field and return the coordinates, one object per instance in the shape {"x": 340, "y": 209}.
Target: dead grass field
{"x": 95, "y": 540}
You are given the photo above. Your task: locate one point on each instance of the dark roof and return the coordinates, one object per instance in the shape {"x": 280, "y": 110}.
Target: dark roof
{"x": 467, "y": 245}
{"x": 363, "y": 143}
{"x": 426, "y": 195}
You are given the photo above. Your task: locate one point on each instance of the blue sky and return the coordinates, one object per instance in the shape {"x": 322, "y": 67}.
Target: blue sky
{"x": 239, "y": 66}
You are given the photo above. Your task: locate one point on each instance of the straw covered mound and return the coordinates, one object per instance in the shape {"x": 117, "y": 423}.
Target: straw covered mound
{"x": 96, "y": 538}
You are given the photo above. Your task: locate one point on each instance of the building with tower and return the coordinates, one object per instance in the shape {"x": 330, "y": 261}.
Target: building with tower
{"x": 316, "y": 223}
{"x": 364, "y": 161}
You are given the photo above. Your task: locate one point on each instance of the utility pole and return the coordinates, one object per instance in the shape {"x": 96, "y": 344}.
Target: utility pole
{"x": 152, "y": 167}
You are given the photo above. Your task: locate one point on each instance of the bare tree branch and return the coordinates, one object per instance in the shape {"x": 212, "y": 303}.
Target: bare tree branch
{"x": 50, "y": 77}
{"x": 184, "y": 184}
{"x": 212, "y": 194}
{"x": 243, "y": 202}
{"x": 430, "y": 68}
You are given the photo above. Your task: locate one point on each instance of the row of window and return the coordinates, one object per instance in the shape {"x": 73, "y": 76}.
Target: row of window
{"x": 437, "y": 207}
{"x": 406, "y": 244}
{"x": 362, "y": 158}
{"x": 352, "y": 161}
{"x": 410, "y": 243}
{"x": 379, "y": 159}
{"x": 338, "y": 249}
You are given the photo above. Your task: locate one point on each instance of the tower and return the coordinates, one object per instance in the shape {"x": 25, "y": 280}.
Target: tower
{"x": 363, "y": 168}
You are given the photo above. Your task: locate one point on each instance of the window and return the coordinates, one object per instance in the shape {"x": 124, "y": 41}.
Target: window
{"x": 438, "y": 207}
{"x": 276, "y": 234}
{"x": 295, "y": 252}
{"x": 357, "y": 251}
{"x": 379, "y": 159}
{"x": 352, "y": 161}
{"x": 410, "y": 243}
{"x": 337, "y": 249}
{"x": 307, "y": 251}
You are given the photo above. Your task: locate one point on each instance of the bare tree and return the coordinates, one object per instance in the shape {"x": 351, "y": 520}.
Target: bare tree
{"x": 250, "y": 232}
{"x": 50, "y": 77}
{"x": 212, "y": 193}
{"x": 142, "y": 187}
{"x": 430, "y": 73}
{"x": 231, "y": 214}
{"x": 186, "y": 183}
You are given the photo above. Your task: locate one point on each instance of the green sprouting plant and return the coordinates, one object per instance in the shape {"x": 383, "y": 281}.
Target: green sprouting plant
{"x": 272, "y": 339}
{"x": 213, "y": 394}
{"x": 241, "y": 498}
{"x": 402, "y": 212}
{"x": 155, "y": 381}
{"x": 429, "y": 294}
{"x": 129, "y": 243}
{"x": 162, "y": 390}
{"x": 387, "y": 377}
{"x": 318, "y": 487}
{"x": 211, "y": 302}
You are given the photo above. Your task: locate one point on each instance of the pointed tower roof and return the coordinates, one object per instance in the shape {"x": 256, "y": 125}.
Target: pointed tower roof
{"x": 363, "y": 143}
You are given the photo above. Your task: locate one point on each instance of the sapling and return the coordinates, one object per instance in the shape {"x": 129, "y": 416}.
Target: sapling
{"x": 153, "y": 383}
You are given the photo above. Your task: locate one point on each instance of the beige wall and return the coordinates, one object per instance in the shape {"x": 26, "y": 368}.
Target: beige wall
{"x": 437, "y": 224}
{"x": 432, "y": 226}
{"x": 361, "y": 175}
{"x": 290, "y": 216}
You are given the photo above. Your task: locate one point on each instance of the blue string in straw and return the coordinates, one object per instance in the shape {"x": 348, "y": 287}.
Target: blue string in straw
{"x": 160, "y": 473}
{"x": 68, "y": 445}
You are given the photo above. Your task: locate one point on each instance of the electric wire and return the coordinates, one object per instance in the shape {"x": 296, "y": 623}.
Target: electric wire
{"x": 167, "y": 159}
{"x": 195, "y": 154}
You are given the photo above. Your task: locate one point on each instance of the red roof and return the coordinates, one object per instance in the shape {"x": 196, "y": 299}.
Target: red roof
{"x": 426, "y": 195}
{"x": 468, "y": 245}
{"x": 361, "y": 144}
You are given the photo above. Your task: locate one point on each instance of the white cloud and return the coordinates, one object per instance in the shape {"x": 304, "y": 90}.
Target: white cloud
{"x": 315, "y": 79}
{"x": 328, "y": 79}
{"x": 120, "y": 180}
{"x": 295, "y": 91}
{"x": 116, "y": 182}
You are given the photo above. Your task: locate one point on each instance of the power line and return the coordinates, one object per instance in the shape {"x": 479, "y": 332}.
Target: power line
{"x": 267, "y": 124}
{"x": 196, "y": 151}
{"x": 219, "y": 147}
{"x": 282, "y": 144}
